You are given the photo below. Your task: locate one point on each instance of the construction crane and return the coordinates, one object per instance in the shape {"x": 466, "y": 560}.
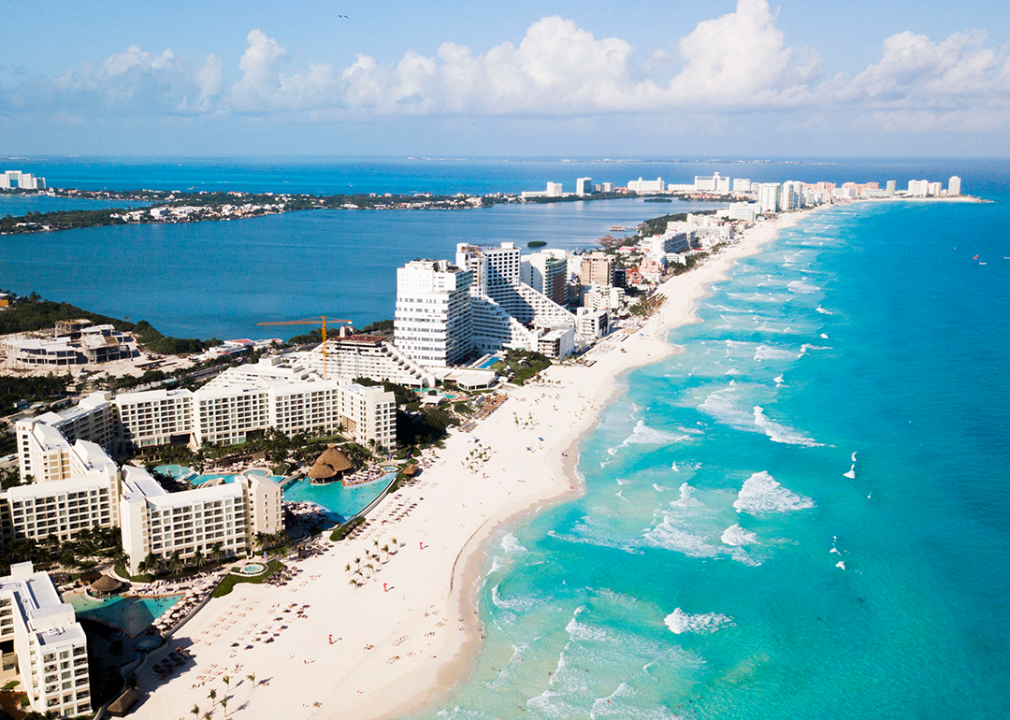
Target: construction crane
{"x": 321, "y": 320}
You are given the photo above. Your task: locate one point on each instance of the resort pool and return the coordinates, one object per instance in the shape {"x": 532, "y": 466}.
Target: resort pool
{"x": 264, "y": 473}
{"x": 132, "y": 614}
{"x": 250, "y": 569}
{"x": 177, "y": 472}
{"x": 344, "y": 502}
{"x": 489, "y": 363}
{"x": 201, "y": 479}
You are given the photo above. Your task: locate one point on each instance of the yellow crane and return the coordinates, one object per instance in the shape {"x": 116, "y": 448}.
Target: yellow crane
{"x": 321, "y": 321}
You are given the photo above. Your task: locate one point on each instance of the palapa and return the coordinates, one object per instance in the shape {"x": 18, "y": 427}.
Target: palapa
{"x": 330, "y": 464}
{"x": 106, "y": 584}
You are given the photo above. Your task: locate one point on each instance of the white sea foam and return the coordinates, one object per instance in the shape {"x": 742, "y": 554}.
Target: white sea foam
{"x": 762, "y": 494}
{"x": 801, "y": 288}
{"x": 495, "y": 565}
{"x": 659, "y": 488}
{"x": 687, "y": 498}
{"x": 841, "y": 564}
{"x": 669, "y": 536}
{"x": 581, "y": 631}
{"x": 732, "y": 371}
{"x": 722, "y": 405}
{"x": 736, "y": 536}
{"x": 674, "y": 467}
{"x": 851, "y": 474}
{"x": 779, "y": 382}
{"x": 824, "y": 336}
{"x": 766, "y": 352}
{"x": 511, "y": 544}
{"x": 645, "y": 435}
{"x": 822, "y": 311}
{"x": 780, "y": 433}
{"x": 681, "y": 622}
{"x": 518, "y": 604}
{"x": 854, "y": 457}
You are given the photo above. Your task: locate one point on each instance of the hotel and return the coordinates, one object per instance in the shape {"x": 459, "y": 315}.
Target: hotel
{"x": 44, "y": 642}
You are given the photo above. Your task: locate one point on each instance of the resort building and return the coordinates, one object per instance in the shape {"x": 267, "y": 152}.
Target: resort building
{"x": 433, "y": 323}
{"x": 225, "y": 517}
{"x": 547, "y": 273}
{"x": 367, "y": 356}
{"x": 43, "y": 640}
{"x": 603, "y": 298}
{"x": 81, "y": 492}
{"x": 155, "y": 417}
{"x": 768, "y": 197}
{"x": 715, "y": 184}
{"x": 16, "y": 179}
{"x": 597, "y": 269}
{"x": 290, "y": 398}
{"x": 591, "y": 325}
{"x": 584, "y": 186}
{"x": 647, "y": 186}
{"x": 918, "y": 188}
{"x": 44, "y": 442}
{"x": 954, "y": 186}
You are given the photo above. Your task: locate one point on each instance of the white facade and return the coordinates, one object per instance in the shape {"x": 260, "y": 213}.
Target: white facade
{"x": 934, "y": 189}
{"x": 603, "y": 298}
{"x": 646, "y": 186}
{"x": 375, "y": 358}
{"x": 292, "y": 399}
{"x": 25, "y": 181}
{"x": 547, "y": 273}
{"x": 155, "y": 417}
{"x": 741, "y": 185}
{"x": 584, "y": 186}
{"x": 605, "y": 187}
{"x": 557, "y": 343}
{"x": 768, "y": 197}
{"x": 918, "y": 188}
{"x": 85, "y": 497}
{"x": 49, "y": 644}
{"x": 747, "y": 212}
{"x": 954, "y": 186}
{"x": 554, "y": 189}
{"x": 892, "y": 186}
{"x": 714, "y": 184}
{"x": 433, "y": 320}
{"x": 591, "y": 324}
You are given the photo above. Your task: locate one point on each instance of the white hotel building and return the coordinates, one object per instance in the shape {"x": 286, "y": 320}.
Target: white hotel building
{"x": 433, "y": 320}
{"x": 50, "y": 648}
{"x": 230, "y": 516}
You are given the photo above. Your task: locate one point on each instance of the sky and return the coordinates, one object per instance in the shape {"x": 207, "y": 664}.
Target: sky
{"x": 741, "y": 78}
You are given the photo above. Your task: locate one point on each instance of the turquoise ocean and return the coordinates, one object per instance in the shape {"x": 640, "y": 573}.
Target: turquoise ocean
{"x": 801, "y": 515}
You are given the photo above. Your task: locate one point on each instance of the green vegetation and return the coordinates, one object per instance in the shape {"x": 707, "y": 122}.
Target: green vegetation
{"x": 378, "y": 328}
{"x": 536, "y": 243}
{"x": 647, "y": 306}
{"x": 231, "y": 579}
{"x": 91, "y": 545}
{"x": 522, "y": 365}
{"x": 344, "y": 530}
{"x": 29, "y": 313}
{"x": 31, "y": 389}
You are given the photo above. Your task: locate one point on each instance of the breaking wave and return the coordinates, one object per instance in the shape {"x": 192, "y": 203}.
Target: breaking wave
{"x": 511, "y": 544}
{"x": 736, "y": 536}
{"x": 762, "y": 494}
{"x": 722, "y": 405}
{"x": 681, "y": 622}
{"x": 801, "y": 288}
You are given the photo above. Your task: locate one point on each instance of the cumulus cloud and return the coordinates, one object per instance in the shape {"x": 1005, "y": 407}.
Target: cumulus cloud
{"x": 738, "y": 62}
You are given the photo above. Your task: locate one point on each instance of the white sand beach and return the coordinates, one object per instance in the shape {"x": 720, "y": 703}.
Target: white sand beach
{"x": 411, "y": 633}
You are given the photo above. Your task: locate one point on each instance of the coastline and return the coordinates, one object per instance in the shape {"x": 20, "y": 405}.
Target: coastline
{"x": 408, "y": 638}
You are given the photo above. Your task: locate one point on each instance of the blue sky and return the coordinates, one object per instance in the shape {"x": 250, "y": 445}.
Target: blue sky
{"x": 725, "y": 77}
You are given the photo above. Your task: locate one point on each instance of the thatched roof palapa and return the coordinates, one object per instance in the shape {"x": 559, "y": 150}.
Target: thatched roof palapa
{"x": 330, "y": 464}
{"x": 124, "y": 703}
{"x": 106, "y": 584}
{"x": 411, "y": 470}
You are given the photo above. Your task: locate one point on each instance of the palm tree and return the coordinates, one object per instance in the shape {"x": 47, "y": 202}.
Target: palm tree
{"x": 212, "y": 695}
{"x": 224, "y": 705}
{"x": 198, "y": 559}
{"x": 195, "y": 711}
{"x": 227, "y": 683}
{"x": 175, "y": 563}
{"x": 395, "y": 544}
{"x": 216, "y": 552}
{"x": 385, "y": 549}
{"x": 347, "y": 567}
{"x": 251, "y": 677}
{"x": 208, "y": 715}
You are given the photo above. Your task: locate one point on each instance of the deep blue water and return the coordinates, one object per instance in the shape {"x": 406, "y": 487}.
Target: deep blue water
{"x": 697, "y": 577}
{"x": 16, "y": 205}
{"x": 219, "y": 279}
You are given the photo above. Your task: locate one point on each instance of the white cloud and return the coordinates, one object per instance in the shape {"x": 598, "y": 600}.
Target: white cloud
{"x": 737, "y": 63}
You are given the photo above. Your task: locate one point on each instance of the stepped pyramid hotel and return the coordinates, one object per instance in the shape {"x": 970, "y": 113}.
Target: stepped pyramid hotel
{"x": 482, "y": 303}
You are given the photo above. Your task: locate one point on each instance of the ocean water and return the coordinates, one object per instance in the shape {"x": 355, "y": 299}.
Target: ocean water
{"x": 219, "y": 279}
{"x": 802, "y": 515}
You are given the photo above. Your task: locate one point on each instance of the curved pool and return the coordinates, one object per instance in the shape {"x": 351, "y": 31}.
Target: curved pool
{"x": 132, "y": 614}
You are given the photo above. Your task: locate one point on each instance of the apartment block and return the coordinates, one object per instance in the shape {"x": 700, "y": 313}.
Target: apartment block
{"x": 50, "y": 649}
{"x": 597, "y": 269}
{"x": 433, "y": 324}
{"x": 155, "y": 417}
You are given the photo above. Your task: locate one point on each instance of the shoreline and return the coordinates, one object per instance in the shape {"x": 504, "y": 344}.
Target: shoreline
{"x": 410, "y": 636}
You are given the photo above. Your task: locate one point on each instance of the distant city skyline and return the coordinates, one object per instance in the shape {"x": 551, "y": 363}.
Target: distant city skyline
{"x": 728, "y": 78}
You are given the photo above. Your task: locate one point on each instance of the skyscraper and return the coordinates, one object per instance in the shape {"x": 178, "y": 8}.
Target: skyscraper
{"x": 433, "y": 320}
{"x": 954, "y": 186}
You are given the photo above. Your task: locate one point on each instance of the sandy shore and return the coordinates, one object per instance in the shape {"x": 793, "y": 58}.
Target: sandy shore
{"x": 409, "y": 635}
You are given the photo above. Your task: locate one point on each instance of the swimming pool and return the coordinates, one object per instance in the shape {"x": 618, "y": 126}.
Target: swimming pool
{"x": 489, "y": 363}
{"x": 344, "y": 502}
{"x": 177, "y": 472}
{"x": 201, "y": 479}
{"x": 132, "y": 614}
